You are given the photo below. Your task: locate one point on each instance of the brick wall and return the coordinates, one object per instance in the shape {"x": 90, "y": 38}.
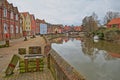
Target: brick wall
{"x": 9, "y": 21}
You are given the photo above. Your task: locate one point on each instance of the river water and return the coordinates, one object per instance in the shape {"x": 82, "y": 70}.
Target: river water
{"x": 94, "y": 60}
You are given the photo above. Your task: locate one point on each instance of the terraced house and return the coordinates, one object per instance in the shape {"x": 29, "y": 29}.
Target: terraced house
{"x": 38, "y": 22}
{"x": 26, "y": 23}
{"x": 33, "y": 24}
{"x": 9, "y": 21}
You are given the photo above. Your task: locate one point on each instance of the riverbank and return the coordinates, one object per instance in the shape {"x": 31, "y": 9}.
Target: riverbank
{"x": 60, "y": 68}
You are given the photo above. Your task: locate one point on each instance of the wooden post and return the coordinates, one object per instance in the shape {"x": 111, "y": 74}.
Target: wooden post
{"x": 7, "y": 43}
{"x": 26, "y": 64}
{"x": 48, "y": 61}
{"x": 37, "y": 64}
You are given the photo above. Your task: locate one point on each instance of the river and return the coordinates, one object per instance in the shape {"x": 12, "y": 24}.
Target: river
{"x": 94, "y": 60}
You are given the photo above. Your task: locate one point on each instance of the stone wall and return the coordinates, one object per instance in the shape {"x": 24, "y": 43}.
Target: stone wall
{"x": 60, "y": 69}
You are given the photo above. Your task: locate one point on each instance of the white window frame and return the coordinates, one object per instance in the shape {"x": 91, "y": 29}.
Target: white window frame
{"x": 5, "y": 28}
{"x": 17, "y": 31}
{"x": 11, "y": 15}
{"x": 5, "y": 12}
{"x": 16, "y": 17}
{"x": 11, "y": 29}
{"x": 20, "y": 29}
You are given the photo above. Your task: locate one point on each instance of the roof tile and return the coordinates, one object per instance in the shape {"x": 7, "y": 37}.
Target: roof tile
{"x": 114, "y": 21}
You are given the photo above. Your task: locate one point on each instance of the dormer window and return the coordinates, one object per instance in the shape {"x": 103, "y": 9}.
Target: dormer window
{"x": 11, "y": 15}
{"x": 5, "y": 12}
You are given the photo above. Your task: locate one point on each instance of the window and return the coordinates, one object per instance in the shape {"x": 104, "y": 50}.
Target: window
{"x": 5, "y": 28}
{"x": 20, "y": 21}
{"x": 5, "y": 12}
{"x": 20, "y": 29}
{"x": 16, "y": 29}
{"x": 11, "y": 15}
{"x": 16, "y": 16}
{"x": 11, "y": 29}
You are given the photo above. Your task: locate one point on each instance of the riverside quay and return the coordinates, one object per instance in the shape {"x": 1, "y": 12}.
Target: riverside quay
{"x": 59, "y": 40}
{"x": 57, "y": 57}
{"x": 34, "y": 59}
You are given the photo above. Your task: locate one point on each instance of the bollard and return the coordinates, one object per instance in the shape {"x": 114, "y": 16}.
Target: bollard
{"x": 25, "y": 39}
{"x": 7, "y": 43}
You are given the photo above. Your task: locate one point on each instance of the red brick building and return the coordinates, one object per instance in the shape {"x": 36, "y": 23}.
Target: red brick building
{"x": 33, "y": 25}
{"x": 67, "y": 28}
{"x": 9, "y": 21}
{"x": 77, "y": 28}
{"x": 55, "y": 28}
{"x": 114, "y": 23}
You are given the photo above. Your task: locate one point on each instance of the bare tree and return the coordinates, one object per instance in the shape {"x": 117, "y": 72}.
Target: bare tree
{"x": 110, "y": 15}
{"x": 95, "y": 17}
{"x": 90, "y": 23}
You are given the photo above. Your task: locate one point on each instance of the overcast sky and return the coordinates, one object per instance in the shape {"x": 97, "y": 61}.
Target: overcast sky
{"x": 70, "y": 12}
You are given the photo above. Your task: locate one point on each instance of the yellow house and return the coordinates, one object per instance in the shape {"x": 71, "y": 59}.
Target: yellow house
{"x": 26, "y": 23}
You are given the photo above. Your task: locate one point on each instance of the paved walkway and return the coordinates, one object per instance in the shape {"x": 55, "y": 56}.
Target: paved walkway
{"x": 12, "y": 41}
{"x": 7, "y": 53}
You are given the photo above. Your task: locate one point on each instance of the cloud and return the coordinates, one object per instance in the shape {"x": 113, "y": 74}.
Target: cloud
{"x": 66, "y": 11}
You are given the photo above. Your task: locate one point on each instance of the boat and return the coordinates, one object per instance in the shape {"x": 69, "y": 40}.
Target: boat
{"x": 96, "y": 37}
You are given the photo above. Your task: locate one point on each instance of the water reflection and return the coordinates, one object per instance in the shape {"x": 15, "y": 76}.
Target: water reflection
{"x": 110, "y": 50}
{"x": 92, "y": 48}
{"x": 95, "y": 60}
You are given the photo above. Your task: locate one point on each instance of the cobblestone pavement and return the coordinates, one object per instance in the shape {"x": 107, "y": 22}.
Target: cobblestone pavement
{"x": 7, "y": 53}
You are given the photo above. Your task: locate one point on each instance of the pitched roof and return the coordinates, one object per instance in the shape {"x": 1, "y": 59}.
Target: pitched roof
{"x": 32, "y": 16}
{"x": 40, "y": 21}
{"x": 24, "y": 13}
{"x": 10, "y": 6}
{"x": 114, "y": 21}
{"x": 1, "y": 2}
{"x": 15, "y": 9}
{"x": 4, "y": 2}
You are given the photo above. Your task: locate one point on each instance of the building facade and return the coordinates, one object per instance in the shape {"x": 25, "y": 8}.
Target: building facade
{"x": 77, "y": 28}
{"x": 33, "y": 24}
{"x": 38, "y": 22}
{"x": 67, "y": 28}
{"x": 9, "y": 21}
{"x": 114, "y": 23}
{"x": 26, "y": 23}
{"x": 55, "y": 28}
